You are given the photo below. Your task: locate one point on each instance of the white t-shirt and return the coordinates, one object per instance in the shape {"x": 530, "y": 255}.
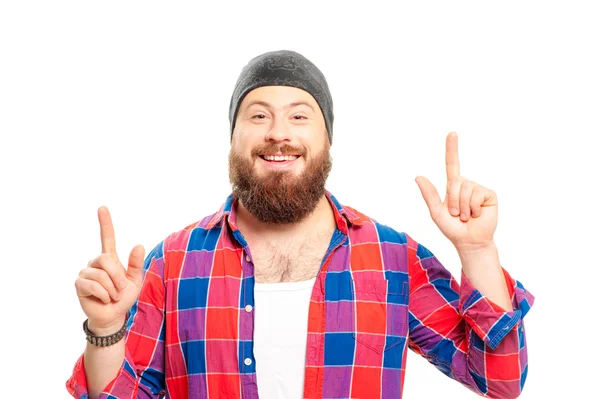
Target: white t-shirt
{"x": 280, "y": 332}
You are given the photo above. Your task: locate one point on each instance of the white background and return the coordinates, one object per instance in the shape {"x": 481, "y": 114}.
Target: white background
{"x": 125, "y": 104}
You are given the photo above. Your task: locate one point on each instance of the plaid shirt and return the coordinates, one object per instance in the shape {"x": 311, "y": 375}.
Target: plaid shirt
{"x": 378, "y": 293}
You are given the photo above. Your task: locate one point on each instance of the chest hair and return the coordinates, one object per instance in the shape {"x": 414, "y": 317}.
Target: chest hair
{"x": 289, "y": 261}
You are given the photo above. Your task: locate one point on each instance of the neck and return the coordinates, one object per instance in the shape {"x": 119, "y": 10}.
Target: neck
{"x": 321, "y": 216}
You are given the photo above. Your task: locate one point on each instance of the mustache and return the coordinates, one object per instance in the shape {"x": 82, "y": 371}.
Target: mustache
{"x": 272, "y": 148}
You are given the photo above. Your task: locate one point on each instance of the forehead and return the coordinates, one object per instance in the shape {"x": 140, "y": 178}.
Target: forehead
{"x": 278, "y": 96}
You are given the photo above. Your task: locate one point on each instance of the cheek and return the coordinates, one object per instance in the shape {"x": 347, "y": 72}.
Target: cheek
{"x": 249, "y": 132}
{"x": 317, "y": 138}
{"x": 317, "y": 146}
{"x": 242, "y": 144}
{"x": 239, "y": 136}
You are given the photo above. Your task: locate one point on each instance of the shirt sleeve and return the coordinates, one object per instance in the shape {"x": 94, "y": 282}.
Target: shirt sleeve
{"x": 142, "y": 372}
{"x": 464, "y": 334}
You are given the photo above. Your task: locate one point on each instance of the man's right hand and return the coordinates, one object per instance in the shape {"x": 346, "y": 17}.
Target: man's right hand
{"x": 105, "y": 289}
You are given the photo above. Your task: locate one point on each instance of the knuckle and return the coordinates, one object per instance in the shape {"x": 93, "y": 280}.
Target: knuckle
{"x": 97, "y": 272}
{"x": 81, "y": 287}
{"x": 103, "y": 259}
{"x": 96, "y": 288}
{"x": 96, "y": 262}
{"x": 107, "y": 264}
{"x": 93, "y": 262}
{"x": 104, "y": 277}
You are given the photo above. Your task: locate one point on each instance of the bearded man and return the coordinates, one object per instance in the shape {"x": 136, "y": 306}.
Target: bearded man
{"x": 286, "y": 293}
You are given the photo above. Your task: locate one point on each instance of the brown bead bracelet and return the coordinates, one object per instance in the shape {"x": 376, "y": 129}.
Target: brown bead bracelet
{"x": 107, "y": 340}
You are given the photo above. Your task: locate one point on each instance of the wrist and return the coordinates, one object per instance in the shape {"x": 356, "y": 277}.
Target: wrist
{"x": 101, "y": 330}
{"x": 479, "y": 259}
{"x": 476, "y": 250}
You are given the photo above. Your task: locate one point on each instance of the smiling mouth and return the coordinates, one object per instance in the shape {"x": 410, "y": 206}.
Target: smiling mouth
{"x": 279, "y": 158}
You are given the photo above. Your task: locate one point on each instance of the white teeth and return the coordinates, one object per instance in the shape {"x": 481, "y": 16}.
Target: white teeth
{"x": 280, "y": 158}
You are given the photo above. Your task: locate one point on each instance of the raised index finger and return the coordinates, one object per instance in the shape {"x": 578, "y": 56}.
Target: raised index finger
{"x": 107, "y": 232}
{"x": 452, "y": 164}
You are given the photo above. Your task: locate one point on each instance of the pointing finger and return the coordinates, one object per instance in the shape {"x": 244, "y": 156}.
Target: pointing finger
{"x": 107, "y": 232}
{"x": 452, "y": 163}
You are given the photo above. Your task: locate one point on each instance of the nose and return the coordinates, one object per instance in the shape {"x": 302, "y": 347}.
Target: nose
{"x": 279, "y": 131}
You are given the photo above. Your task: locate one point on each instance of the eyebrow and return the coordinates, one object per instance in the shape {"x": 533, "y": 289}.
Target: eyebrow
{"x": 290, "y": 105}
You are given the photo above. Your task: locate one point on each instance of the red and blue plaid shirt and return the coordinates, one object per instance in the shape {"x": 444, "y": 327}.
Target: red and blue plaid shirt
{"x": 378, "y": 293}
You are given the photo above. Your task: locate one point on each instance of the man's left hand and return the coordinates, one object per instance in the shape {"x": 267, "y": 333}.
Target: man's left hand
{"x": 469, "y": 214}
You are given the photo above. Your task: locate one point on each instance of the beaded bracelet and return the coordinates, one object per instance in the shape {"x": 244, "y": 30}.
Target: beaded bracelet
{"x": 107, "y": 340}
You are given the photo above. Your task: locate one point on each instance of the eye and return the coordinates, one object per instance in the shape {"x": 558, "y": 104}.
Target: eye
{"x": 299, "y": 117}
{"x": 259, "y": 116}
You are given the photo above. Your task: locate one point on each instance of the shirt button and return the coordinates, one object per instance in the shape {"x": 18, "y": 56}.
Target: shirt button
{"x": 247, "y": 259}
{"x": 247, "y": 361}
{"x": 248, "y": 308}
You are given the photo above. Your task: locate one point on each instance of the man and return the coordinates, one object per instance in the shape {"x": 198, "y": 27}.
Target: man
{"x": 285, "y": 293}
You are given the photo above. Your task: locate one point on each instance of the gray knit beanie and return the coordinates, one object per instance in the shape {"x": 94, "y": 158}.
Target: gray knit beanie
{"x": 283, "y": 68}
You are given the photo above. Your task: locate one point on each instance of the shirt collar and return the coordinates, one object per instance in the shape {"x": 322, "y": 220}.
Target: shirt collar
{"x": 344, "y": 216}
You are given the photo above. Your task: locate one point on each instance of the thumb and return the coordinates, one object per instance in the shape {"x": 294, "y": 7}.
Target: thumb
{"x": 429, "y": 193}
{"x": 135, "y": 265}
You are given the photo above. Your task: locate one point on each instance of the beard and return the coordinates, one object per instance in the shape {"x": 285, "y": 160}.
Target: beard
{"x": 279, "y": 197}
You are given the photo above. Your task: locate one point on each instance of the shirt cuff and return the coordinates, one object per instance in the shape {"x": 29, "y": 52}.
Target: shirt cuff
{"x": 124, "y": 385}
{"x": 490, "y": 321}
